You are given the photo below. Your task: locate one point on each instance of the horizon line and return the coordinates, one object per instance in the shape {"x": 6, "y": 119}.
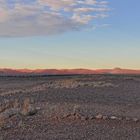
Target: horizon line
{"x": 78, "y": 68}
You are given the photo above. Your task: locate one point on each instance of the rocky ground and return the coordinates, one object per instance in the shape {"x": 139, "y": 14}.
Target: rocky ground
{"x": 88, "y": 107}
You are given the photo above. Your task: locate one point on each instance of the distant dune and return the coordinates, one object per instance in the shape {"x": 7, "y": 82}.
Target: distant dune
{"x": 4, "y": 72}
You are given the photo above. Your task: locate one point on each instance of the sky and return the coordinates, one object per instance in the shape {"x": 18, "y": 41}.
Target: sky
{"x": 93, "y": 34}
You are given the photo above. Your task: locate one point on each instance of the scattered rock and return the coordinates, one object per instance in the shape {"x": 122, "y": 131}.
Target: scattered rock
{"x": 66, "y": 116}
{"x": 8, "y": 113}
{"x": 99, "y": 116}
{"x": 135, "y": 119}
{"x": 127, "y": 119}
{"x": 9, "y": 109}
{"x": 5, "y": 105}
{"x": 113, "y": 118}
{"x": 16, "y": 104}
{"x": 91, "y": 117}
{"x": 20, "y": 123}
{"x": 56, "y": 118}
{"x": 83, "y": 118}
{"x": 38, "y": 108}
{"x": 105, "y": 117}
{"x": 4, "y": 126}
{"x": 77, "y": 116}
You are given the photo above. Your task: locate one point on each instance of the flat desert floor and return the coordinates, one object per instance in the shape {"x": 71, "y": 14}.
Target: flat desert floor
{"x": 78, "y": 107}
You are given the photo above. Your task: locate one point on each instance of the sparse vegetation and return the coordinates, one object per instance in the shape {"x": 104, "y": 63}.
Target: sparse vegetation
{"x": 14, "y": 108}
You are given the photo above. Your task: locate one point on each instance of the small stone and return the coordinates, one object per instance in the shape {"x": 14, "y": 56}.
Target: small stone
{"x": 113, "y": 117}
{"x": 91, "y": 117}
{"x": 20, "y": 123}
{"x": 38, "y": 108}
{"x": 8, "y": 126}
{"x": 16, "y": 104}
{"x": 77, "y": 116}
{"x": 105, "y": 117}
{"x": 127, "y": 119}
{"x": 135, "y": 119}
{"x": 83, "y": 118}
{"x": 66, "y": 116}
{"x": 99, "y": 116}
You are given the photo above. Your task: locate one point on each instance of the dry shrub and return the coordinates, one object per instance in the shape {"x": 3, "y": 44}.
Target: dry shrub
{"x": 27, "y": 108}
{"x": 72, "y": 83}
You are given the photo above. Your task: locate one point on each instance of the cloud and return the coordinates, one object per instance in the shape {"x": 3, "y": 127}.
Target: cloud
{"x": 87, "y": 10}
{"x": 57, "y": 4}
{"x": 47, "y": 17}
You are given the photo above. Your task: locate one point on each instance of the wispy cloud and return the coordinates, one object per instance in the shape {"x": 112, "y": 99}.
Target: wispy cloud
{"x": 47, "y": 17}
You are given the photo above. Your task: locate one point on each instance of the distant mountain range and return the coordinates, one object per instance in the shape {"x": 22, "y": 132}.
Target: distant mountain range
{"x": 16, "y": 72}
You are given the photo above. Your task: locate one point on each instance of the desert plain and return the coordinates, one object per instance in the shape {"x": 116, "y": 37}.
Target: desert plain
{"x": 70, "y": 107}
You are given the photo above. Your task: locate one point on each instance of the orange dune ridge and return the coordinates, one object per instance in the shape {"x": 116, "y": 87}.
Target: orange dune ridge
{"x": 66, "y": 71}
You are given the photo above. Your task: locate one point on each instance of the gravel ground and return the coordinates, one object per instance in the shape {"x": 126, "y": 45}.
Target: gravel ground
{"x": 89, "y": 95}
{"x": 74, "y": 130}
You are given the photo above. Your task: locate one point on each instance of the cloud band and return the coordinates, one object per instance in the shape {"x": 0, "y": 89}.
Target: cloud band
{"x": 47, "y": 17}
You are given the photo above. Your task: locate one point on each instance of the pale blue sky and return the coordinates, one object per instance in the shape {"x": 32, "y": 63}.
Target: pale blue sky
{"x": 114, "y": 43}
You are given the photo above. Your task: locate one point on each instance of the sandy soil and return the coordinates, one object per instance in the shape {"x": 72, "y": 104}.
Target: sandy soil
{"x": 68, "y": 106}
